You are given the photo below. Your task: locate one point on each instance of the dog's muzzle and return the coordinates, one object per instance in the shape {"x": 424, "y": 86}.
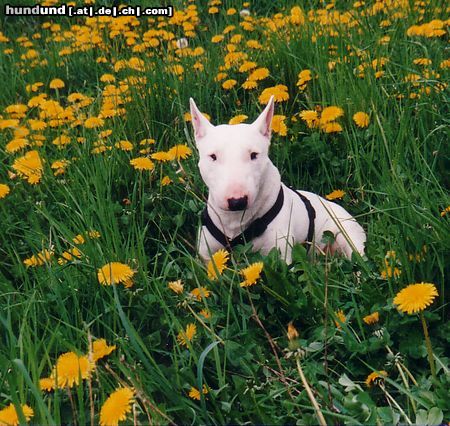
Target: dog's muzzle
{"x": 235, "y": 204}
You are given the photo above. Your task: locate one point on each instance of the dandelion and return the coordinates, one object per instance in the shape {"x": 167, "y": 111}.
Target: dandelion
{"x": 361, "y": 119}
{"x": 194, "y": 393}
{"x": 69, "y": 368}
{"x": 205, "y": 313}
{"x": 415, "y": 299}
{"x": 341, "y": 318}
{"x": 251, "y": 274}
{"x": 47, "y": 384}
{"x": 311, "y": 118}
{"x": 16, "y": 145}
{"x": 142, "y": 163}
{"x": 217, "y": 264}
{"x": 166, "y": 181}
{"x": 9, "y": 416}
{"x": 38, "y": 259}
{"x": 331, "y": 113}
{"x": 229, "y": 84}
{"x": 100, "y": 349}
{"x": 238, "y": 119}
{"x": 162, "y": 156}
{"x": 56, "y": 83}
{"x": 124, "y": 145}
{"x": 4, "y": 190}
{"x": 445, "y": 211}
{"x": 176, "y": 286}
{"x": 29, "y": 166}
{"x": 332, "y": 127}
{"x": 187, "y": 335}
{"x": 259, "y": 74}
{"x": 200, "y": 292}
{"x": 374, "y": 377}
{"x": 337, "y": 194}
{"x": 93, "y": 122}
{"x": 372, "y": 319}
{"x": 116, "y": 407}
{"x": 279, "y": 92}
{"x": 115, "y": 273}
{"x": 278, "y": 125}
{"x": 180, "y": 152}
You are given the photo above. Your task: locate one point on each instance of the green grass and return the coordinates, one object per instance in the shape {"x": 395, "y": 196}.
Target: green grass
{"x": 395, "y": 174}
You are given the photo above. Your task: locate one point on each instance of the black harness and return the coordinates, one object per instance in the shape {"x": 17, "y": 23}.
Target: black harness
{"x": 259, "y": 225}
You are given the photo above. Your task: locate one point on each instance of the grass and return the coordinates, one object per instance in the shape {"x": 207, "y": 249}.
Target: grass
{"x": 395, "y": 173}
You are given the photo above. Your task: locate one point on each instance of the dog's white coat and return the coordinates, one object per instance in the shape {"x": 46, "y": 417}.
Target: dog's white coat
{"x": 233, "y": 174}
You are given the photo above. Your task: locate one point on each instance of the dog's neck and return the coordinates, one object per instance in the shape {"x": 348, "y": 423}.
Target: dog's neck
{"x": 232, "y": 223}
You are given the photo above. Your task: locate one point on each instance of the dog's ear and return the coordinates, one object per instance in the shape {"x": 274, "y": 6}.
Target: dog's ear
{"x": 264, "y": 121}
{"x": 199, "y": 121}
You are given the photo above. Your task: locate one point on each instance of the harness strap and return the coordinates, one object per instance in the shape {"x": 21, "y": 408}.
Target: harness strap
{"x": 255, "y": 229}
{"x": 311, "y": 216}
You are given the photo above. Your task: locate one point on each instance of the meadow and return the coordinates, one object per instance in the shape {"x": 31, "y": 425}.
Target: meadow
{"x": 107, "y": 314}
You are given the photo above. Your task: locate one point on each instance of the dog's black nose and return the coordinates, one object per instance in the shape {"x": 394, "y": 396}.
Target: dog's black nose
{"x": 237, "y": 203}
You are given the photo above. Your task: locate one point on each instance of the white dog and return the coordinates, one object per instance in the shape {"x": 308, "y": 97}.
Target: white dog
{"x": 248, "y": 202}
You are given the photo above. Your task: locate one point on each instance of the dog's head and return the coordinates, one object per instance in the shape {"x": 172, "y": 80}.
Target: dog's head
{"x": 233, "y": 158}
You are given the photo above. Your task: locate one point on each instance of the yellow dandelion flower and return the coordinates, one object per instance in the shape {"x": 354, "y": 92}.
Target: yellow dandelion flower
{"x": 311, "y": 118}
{"x": 335, "y": 195}
{"x": 107, "y": 78}
{"x": 332, "y": 127}
{"x": 142, "y": 163}
{"x": 247, "y": 66}
{"x": 205, "y": 313}
{"x": 166, "y": 181}
{"x": 229, "y": 84}
{"x": 187, "y": 335}
{"x": 374, "y": 377}
{"x": 194, "y": 393}
{"x": 180, "y": 152}
{"x": 259, "y": 74}
{"x": 16, "y": 145}
{"x": 445, "y": 211}
{"x": 47, "y": 384}
{"x": 371, "y": 319}
{"x": 93, "y": 122}
{"x": 9, "y": 416}
{"x": 279, "y": 92}
{"x": 29, "y": 166}
{"x": 124, "y": 145}
{"x": 278, "y": 125}
{"x": 415, "y": 298}
{"x": 217, "y": 264}
{"x": 56, "y": 83}
{"x": 78, "y": 239}
{"x": 38, "y": 259}
{"x": 249, "y": 85}
{"x": 238, "y": 119}
{"x": 100, "y": 349}
{"x": 116, "y": 407}
{"x": 162, "y": 156}
{"x": 69, "y": 368}
{"x": 4, "y": 190}
{"x": 176, "y": 286}
{"x": 330, "y": 113}
{"x": 115, "y": 273}
{"x": 251, "y": 274}
{"x": 361, "y": 119}
{"x": 341, "y": 317}
{"x": 200, "y": 292}
{"x": 61, "y": 140}
{"x": 217, "y": 38}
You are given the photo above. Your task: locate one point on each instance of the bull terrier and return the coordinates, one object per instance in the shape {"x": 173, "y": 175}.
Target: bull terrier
{"x": 248, "y": 202}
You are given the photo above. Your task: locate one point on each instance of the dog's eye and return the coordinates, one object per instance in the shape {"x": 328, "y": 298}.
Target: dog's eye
{"x": 253, "y": 155}
{"x": 213, "y": 157}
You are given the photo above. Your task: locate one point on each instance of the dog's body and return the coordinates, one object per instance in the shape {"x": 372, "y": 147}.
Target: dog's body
{"x": 244, "y": 186}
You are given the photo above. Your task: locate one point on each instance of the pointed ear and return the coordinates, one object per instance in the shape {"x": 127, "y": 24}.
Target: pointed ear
{"x": 199, "y": 121}
{"x": 263, "y": 122}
